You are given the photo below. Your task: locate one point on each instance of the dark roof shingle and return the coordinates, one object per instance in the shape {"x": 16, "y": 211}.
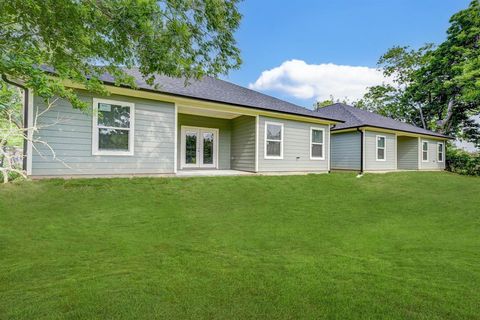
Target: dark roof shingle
{"x": 354, "y": 118}
{"x": 212, "y": 89}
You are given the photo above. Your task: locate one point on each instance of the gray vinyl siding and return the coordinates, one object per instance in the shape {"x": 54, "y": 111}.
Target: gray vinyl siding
{"x": 71, "y": 139}
{"x": 346, "y": 150}
{"x": 296, "y": 147}
{"x": 370, "y": 152}
{"x": 432, "y": 163}
{"x": 407, "y": 153}
{"x": 224, "y": 133}
{"x": 243, "y": 143}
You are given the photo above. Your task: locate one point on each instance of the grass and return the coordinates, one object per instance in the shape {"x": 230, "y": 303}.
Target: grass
{"x": 400, "y": 245}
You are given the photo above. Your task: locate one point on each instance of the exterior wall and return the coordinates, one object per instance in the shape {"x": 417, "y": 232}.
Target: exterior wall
{"x": 370, "y": 152}
{"x": 346, "y": 150}
{"x": 296, "y": 147}
{"x": 71, "y": 139}
{"x": 407, "y": 153}
{"x": 432, "y": 163}
{"x": 224, "y": 135}
{"x": 243, "y": 143}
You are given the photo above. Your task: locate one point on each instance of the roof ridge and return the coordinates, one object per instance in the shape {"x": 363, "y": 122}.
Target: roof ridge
{"x": 258, "y": 92}
{"x": 349, "y": 111}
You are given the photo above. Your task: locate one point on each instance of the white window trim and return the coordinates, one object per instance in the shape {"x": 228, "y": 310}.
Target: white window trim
{"x": 428, "y": 150}
{"x": 322, "y": 143}
{"x": 131, "y": 129}
{"x": 265, "y": 140}
{"x": 183, "y": 130}
{"x": 443, "y": 152}
{"x": 384, "y": 148}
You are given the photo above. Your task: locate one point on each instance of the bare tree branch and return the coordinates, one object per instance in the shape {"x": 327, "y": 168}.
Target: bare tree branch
{"x": 12, "y": 128}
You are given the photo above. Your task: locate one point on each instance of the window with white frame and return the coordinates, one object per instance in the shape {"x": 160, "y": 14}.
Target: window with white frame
{"x": 425, "y": 151}
{"x": 113, "y": 127}
{"x": 317, "y": 143}
{"x": 440, "y": 151}
{"x": 273, "y": 140}
{"x": 381, "y": 148}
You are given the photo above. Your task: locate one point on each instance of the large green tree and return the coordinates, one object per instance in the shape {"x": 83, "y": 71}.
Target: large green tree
{"x": 82, "y": 39}
{"x": 436, "y": 87}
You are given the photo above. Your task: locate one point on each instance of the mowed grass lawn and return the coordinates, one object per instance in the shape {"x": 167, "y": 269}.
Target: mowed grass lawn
{"x": 399, "y": 245}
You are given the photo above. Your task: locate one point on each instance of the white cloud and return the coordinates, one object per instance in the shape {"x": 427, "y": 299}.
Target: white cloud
{"x": 318, "y": 81}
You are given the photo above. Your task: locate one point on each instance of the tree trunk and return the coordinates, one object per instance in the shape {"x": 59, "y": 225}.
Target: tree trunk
{"x": 422, "y": 117}
{"x": 448, "y": 116}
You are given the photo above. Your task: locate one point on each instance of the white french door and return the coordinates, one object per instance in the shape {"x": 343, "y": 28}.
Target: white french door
{"x": 199, "y": 147}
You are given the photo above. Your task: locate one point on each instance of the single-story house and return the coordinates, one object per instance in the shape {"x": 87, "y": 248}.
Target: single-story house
{"x": 170, "y": 128}
{"x": 367, "y": 141}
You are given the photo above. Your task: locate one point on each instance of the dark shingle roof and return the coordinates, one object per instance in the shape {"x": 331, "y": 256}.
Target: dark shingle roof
{"x": 212, "y": 89}
{"x": 355, "y": 118}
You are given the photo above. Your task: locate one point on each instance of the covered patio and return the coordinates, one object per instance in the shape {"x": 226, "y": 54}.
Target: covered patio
{"x": 212, "y": 142}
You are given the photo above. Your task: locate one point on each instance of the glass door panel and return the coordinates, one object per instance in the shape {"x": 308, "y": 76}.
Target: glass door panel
{"x": 199, "y": 147}
{"x": 191, "y": 141}
{"x": 207, "y": 148}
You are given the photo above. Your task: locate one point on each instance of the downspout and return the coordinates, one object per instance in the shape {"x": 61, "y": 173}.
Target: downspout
{"x": 25, "y": 117}
{"x": 361, "y": 150}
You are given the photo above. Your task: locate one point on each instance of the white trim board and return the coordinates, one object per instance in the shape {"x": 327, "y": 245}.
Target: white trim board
{"x": 428, "y": 150}
{"x": 30, "y": 132}
{"x": 443, "y": 151}
{"x": 199, "y": 130}
{"x": 266, "y": 123}
{"x": 175, "y": 139}
{"x": 329, "y": 147}
{"x": 322, "y": 143}
{"x": 131, "y": 129}
{"x": 396, "y": 151}
{"x": 384, "y": 147}
{"x": 257, "y": 134}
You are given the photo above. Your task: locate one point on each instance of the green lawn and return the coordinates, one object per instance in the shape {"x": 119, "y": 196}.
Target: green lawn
{"x": 400, "y": 245}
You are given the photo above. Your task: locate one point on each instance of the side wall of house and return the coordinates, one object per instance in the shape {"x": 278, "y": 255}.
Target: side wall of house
{"x": 71, "y": 140}
{"x": 224, "y": 135}
{"x": 243, "y": 143}
{"x": 432, "y": 163}
{"x": 296, "y": 147}
{"x": 346, "y": 150}
{"x": 407, "y": 153}
{"x": 370, "y": 152}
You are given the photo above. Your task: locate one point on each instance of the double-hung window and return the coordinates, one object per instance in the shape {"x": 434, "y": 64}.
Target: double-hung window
{"x": 113, "y": 127}
{"x": 317, "y": 143}
{"x": 440, "y": 152}
{"x": 381, "y": 148}
{"x": 273, "y": 140}
{"x": 425, "y": 151}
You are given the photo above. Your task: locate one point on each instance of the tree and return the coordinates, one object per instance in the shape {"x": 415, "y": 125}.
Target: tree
{"x": 81, "y": 40}
{"x": 436, "y": 87}
{"x": 320, "y": 104}
{"x": 396, "y": 100}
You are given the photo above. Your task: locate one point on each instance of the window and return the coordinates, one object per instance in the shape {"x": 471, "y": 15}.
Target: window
{"x": 440, "y": 152}
{"x": 113, "y": 123}
{"x": 425, "y": 151}
{"x": 317, "y": 139}
{"x": 273, "y": 140}
{"x": 381, "y": 148}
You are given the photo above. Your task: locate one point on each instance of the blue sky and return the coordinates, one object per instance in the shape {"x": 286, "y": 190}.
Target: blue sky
{"x": 315, "y": 47}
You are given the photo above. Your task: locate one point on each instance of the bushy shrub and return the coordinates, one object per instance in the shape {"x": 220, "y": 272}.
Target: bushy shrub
{"x": 12, "y": 176}
{"x": 463, "y": 162}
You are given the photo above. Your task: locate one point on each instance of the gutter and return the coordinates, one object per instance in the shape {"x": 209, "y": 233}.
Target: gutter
{"x": 361, "y": 150}
{"x": 179, "y": 95}
{"x": 438, "y": 136}
{"x": 25, "y": 117}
